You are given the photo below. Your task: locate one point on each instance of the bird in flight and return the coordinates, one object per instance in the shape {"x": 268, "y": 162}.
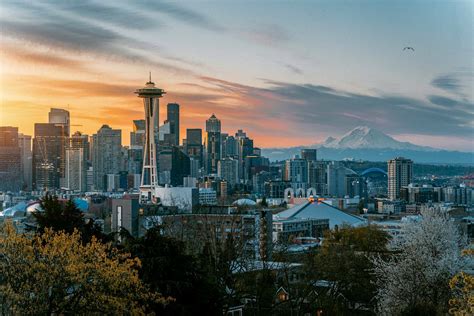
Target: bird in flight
{"x": 409, "y": 48}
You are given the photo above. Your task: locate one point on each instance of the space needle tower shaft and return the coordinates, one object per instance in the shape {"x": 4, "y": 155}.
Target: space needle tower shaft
{"x": 149, "y": 179}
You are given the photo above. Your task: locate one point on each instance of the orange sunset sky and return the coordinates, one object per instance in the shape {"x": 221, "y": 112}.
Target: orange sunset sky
{"x": 287, "y": 74}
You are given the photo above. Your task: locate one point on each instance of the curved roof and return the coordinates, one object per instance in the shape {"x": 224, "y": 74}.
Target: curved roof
{"x": 244, "y": 202}
{"x": 15, "y": 211}
{"x": 318, "y": 210}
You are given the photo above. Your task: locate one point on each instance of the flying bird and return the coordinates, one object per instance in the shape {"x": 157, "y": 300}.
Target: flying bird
{"x": 408, "y": 48}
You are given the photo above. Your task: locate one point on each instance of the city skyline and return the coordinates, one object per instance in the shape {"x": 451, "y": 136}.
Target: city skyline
{"x": 309, "y": 73}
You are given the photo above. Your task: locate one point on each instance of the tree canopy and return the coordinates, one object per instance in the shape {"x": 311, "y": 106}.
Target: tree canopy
{"x": 415, "y": 279}
{"x": 55, "y": 273}
{"x": 66, "y": 217}
{"x": 344, "y": 263}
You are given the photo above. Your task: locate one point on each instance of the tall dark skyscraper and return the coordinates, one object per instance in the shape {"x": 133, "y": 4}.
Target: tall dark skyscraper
{"x": 193, "y": 144}
{"x": 10, "y": 159}
{"x": 173, "y": 119}
{"x": 309, "y": 154}
{"x": 48, "y": 155}
{"x": 230, "y": 147}
{"x": 212, "y": 144}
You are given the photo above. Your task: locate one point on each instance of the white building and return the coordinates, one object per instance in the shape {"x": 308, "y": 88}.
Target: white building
{"x": 182, "y": 198}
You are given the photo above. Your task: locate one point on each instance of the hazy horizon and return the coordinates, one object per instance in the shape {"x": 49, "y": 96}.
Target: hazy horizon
{"x": 287, "y": 73}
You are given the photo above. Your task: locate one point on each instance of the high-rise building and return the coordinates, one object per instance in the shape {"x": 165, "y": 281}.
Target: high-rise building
{"x": 77, "y": 153}
{"x": 165, "y": 138}
{"x": 193, "y": 144}
{"x": 106, "y": 155}
{"x": 296, "y": 172}
{"x": 180, "y": 166}
{"x": 49, "y": 147}
{"x": 309, "y": 154}
{"x": 135, "y": 152}
{"x": 336, "y": 179}
{"x": 230, "y": 147}
{"x": 60, "y": 116}
{"x": 355, "y": 185}
{"x": 24, "y": 141}
{"x": 173, "y": 119}
{"x": 317, "y": 176}
{"x": 150, "y": 95}
{"x": 10, "y": 159}
{"x": 400, "y": 173}
{"x": 137, "y": 135}
{"x": 254, "y": 165}
{"x": 228, "y": 170}
{"x": 212, "y": 144}
{"x": 245, "y": 150}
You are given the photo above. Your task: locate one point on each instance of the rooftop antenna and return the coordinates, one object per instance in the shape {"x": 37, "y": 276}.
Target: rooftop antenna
{"x": 150, "y": 77}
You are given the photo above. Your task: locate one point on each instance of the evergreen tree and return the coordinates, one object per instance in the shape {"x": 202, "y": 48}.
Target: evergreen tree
{"x": 66, "y": 217}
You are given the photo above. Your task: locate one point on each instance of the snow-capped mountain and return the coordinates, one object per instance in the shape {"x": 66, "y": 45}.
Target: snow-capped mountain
{"x": 363, "y": 137}
{"x": 364, "y": 143}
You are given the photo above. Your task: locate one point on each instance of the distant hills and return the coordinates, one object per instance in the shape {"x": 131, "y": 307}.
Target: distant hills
{"x": 364, "y": 143}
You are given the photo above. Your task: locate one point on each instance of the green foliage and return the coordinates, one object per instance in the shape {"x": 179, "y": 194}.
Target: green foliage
{"x": 54, "y": 273}
{"x": 66, "y": 217}
{"x": 166, "y": 268}
{"x": 344, "y": 262}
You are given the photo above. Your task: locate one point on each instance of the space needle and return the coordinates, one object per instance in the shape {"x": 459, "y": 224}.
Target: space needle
{"x": 149, "y": 181}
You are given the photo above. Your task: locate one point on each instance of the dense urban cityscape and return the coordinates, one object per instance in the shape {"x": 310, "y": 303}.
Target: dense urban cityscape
{"x": 228, "y": 158}
{"x": 218, "y": 185}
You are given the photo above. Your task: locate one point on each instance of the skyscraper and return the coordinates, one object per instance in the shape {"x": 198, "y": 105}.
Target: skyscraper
{"x": 228, "y": 170}
{"x": 173, "y": 119}
{"x": 400, "y": 173}
{"x": 296, "y": 172}
{"x": 48, "y": 155}
{"x": 336, "y": 177}
{"x": 106, "y": 155}
{"x": 135, "y": 152}
{"x": 212, "y": 144}
{"x": 137, "y": 135}
{"x": 10, "y": 159}
{"x": 308, "y": 154}
{"x": 150, "y": 95}
{"x": 193, "y": 144}
{"x": 77, "y": 153}
{"x": 24, "y": 141}
{"x": 317, "y": 176}
{"x": 229, "y": 147}
{"x": 60, "y": 116}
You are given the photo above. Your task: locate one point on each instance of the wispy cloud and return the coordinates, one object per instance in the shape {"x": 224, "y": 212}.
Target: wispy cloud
{"x": 456, "y": 83}
{"x": 294, "y": 69}
{"x": 306, "y": 109}
{"x": 82, "y": 31}
{"x": 35, "y": 57}
{"x": 267, "y": 35}
{"x": 180, "y": 13}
